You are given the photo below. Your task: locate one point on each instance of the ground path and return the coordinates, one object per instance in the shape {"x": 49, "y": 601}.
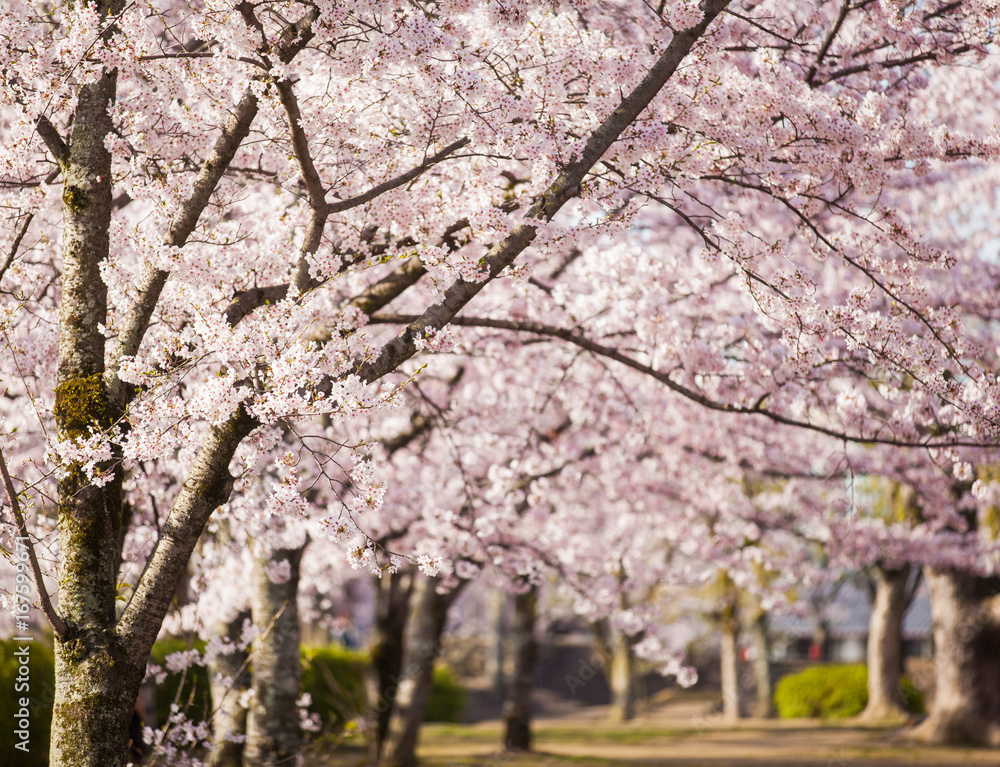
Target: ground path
{"x": 680, "y": 732}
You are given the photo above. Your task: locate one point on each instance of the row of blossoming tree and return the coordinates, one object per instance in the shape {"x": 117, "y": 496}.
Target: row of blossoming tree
{"x": 599, "y": 289}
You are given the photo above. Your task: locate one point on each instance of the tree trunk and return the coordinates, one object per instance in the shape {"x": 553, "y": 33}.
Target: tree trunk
{"x": 730, "y": 672}
{"x": 621, "y": 678}
{"x": 96, "y": 681}
{"x": 273, "y": 734}
{"x": 96, "y": 689}
{"x": 762, "y": 665}
{"x": 517, "y": 708}
{"x": 496, "y": 607}
{"x": 966, "y": 658}
{"x": 392, "y": 608}
{"x": 229, "y": 679}
{"x": 423, "y": 646}
{"x": 885, "y": 648}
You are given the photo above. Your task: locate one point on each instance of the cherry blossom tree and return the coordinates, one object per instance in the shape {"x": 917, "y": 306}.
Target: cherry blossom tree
{"x": 210, "y": 207}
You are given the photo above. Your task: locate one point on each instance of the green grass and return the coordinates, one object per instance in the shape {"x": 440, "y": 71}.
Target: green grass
{"x": 598, "y": 732}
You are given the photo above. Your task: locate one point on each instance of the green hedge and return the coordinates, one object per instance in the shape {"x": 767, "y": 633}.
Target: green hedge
{"x": 40, "y": 693}
{"x": 195, "y": 698}
{"x": 334, "y": 677}
{"x": 447, "y": 697}
{"x": 832, "y": 692}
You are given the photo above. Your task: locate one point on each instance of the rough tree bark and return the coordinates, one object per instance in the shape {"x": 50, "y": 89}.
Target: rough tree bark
{"x": 423, "y": 646}
{"x": 517, "y": 707}
{"x": 273, "y": 733}
{"x": 97, "y": 679}
{"x": 229, "y": 678}
{"x": 392, "y": 609}
{"x": 966, "y": 611}
{"x": 885, "y": 648}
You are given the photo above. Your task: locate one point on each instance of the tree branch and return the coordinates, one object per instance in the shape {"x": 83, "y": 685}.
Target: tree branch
{"x": 389, "y": 287}
{"x": 319, "y": 211}
{"x": 208, "y": 485}
{"x": 845, "y": 8}
{"x": 135, "y": 323}
{"x": 565, "y": 187}
{"x": 570, "y": 336}
{"x": 52, "y": 139}
{"x": 57, "y": 623}
{"x": 404, "y": 178}
{"x": 17, "y": 243}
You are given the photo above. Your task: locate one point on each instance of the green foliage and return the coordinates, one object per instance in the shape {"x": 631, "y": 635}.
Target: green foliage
{"x": 913, "y": 699}
{"x": 832, "y": 692}
{"x": 447, "y": 697}
{"x": 189, "y": 689}
{"x": 334, "y": 677}
{"x": 40, "y": 692}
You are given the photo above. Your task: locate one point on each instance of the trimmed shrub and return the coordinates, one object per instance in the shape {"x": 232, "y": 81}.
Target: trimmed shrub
{"x": 189, "y": 689}
{"x": 913, "y": 699}
{"x": 832, "y": 692}
{"x": 334, "y": 677}
{"x": 38, "y": 688}
{"x": 447, "y": 697}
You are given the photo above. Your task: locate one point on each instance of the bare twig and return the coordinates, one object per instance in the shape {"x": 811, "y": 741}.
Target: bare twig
{"x": 57, "y": 623}
{"x": 17, "y": 243}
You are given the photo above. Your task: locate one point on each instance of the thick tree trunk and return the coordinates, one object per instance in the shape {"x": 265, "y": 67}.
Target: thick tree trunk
{"x": 621, "y": 678}
{"x": 273, "y": 733}
{"x": 885, "y": 647}
{"x": 423, "y": 646}
{"x": 96, "y": 681}
{"x": 730, "y": 671}
{"x": 96, "y": 689}
{"x": 966, "y": 659}
{"x": 762, "y": 665}
{"x": 229, "y": 679}
{"x": 99, "y": 665}
{"x": 392, "y": 608}
{"x": 517, "y": 708}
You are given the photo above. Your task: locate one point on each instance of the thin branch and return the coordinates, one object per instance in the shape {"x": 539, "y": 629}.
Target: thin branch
{"x": 58, "y": 624}
{"x": 386, "y": 289}
{"x": 237, "y": 128}
{"x": 583, "y": 342}
{"x": 834, "y": 31}
{"x": 890, "y": 63}
{"x": 404, "y": 178}
{"x": 17, "y": 243}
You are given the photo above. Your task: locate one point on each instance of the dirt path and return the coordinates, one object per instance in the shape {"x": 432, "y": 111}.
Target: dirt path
{"x": 806, "y": 745}
{"x": 681, "y": 732}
